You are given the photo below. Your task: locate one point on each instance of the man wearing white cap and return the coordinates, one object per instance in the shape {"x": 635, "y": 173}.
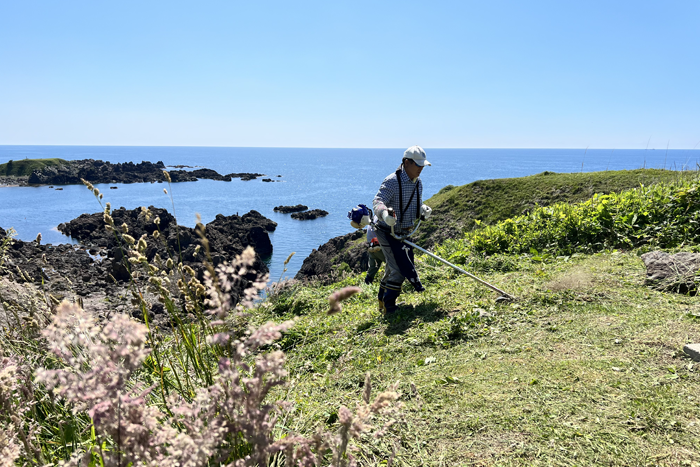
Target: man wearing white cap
{"x": 402, "y": 191}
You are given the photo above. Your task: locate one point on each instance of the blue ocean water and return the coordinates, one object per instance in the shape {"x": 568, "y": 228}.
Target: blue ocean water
{"x": 330, "y": 179}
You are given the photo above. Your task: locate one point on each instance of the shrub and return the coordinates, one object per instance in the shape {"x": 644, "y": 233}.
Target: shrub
{"x": 660, "y": 216}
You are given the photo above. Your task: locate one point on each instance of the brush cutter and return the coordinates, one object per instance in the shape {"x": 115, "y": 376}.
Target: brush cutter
{"x": 505, "y": 296}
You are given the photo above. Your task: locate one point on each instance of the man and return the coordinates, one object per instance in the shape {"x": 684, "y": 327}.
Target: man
{"x": 402, "y": 192}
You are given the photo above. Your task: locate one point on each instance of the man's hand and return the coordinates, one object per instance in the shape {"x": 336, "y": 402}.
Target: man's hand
{"x": 388, "y": 219}
{"x": 425, "y": 212}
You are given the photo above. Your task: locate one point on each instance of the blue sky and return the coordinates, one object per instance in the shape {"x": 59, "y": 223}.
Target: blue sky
{"x": 559, "y": 74}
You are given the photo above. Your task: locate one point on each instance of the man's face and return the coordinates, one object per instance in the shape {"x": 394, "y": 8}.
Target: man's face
{"x": 413, "y": 170}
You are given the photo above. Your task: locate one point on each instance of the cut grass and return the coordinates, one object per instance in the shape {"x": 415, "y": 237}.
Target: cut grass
{"x": 585, "y": 368}
{"x": 25, "y": 167}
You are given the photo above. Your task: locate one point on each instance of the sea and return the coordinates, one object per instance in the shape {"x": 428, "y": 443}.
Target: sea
{"x": 334, "y": 180}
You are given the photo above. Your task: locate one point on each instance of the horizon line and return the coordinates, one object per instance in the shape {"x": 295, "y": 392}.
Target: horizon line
{"x": 330, "y": 147}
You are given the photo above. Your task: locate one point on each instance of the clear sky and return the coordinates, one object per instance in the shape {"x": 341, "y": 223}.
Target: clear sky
{"x": 561, "y": 73}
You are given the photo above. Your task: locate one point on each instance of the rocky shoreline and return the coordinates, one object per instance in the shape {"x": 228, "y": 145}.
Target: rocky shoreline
{"x": 97, "y": 271}
{"x": 327, "y": 263}
{"x": 97, "y": 171}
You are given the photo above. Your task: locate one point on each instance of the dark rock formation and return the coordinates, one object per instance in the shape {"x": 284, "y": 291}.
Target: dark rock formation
{"x": 307, "y": 215}
{"x": 96, "y": 171}
{"x": 194, "y": 175}
{"x": 228, "y": 236}
{"x": 13, "y": 181}
{"x": 250, "y": 229}
{"x": 675, "y": 273}
{"x": 326, "y": 264}
{"x": 60, "y": 267}
{"x": 288, "y": 209}
{"x": 245, "y": 176}
{"x": 98, "y": 267}
{"x": 2, "y": 233}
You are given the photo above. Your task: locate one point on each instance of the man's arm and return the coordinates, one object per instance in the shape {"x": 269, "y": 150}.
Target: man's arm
{"x": 384, "y": 197}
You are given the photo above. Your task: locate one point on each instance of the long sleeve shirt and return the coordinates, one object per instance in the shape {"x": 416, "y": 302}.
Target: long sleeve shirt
{"x": 388, "y": 196}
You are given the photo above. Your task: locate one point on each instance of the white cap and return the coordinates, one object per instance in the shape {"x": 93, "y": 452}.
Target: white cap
{"x": 417, "y": 154}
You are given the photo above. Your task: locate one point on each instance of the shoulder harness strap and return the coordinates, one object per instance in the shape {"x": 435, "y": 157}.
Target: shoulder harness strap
{"x": 403, "y": 209}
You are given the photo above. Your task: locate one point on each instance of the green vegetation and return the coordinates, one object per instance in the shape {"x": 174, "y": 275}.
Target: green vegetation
{"x": 458, "y": 209}
{"x": 584, "y": 368}
{"x": 659, "y": 216}
{"x": 25, "y": 167}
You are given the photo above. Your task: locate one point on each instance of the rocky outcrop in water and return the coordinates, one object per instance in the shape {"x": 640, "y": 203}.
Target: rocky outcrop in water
{"x": 97, "y": 171}
{"x": 288, "y": 209}
{"x": 97, "y": 269}
{"x": 308, "y": 215}
{"x": 13, "y": 181}
{"x": 339, "y": 254}
{"x": 245, "y": 176}
{"x": 228, "y": 236}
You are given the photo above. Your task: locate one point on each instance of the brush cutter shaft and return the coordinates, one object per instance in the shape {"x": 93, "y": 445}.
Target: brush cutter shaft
{"x": 492, "y": 287}
{"x": 403, "y": 239}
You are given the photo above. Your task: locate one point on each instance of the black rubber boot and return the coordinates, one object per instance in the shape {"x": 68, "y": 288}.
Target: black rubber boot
{"x": 390, "y": 300}
{"x": 380, "y": 298}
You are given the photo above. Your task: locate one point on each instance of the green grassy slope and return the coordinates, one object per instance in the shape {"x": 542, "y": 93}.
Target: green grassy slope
{"x": 25, "y": 167}
{"x": 490, "y": 201}
{"x": 585, "y": 368}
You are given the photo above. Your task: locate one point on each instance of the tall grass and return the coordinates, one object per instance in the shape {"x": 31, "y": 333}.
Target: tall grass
{"x": 75, "y": 389}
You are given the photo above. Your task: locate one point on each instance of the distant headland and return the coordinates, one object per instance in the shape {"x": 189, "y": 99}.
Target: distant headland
{"x": 61, "y": 172}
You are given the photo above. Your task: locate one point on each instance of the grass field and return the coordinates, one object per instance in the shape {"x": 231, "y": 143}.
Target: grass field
{"x": 25, "y": 167}
{"x": 585, "y": 368}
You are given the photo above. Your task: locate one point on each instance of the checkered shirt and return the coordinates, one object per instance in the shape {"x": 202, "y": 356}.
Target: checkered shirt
{"x": 388, "y": 195}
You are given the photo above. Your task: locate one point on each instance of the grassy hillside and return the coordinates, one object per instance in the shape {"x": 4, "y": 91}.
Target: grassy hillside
{"x": 456, "y": 210}
{"x": 585, "y": 368}
{"x": 25, "y": 167}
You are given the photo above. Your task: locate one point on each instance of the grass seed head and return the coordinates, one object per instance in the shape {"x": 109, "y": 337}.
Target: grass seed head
{"x": 338, "y": 296}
